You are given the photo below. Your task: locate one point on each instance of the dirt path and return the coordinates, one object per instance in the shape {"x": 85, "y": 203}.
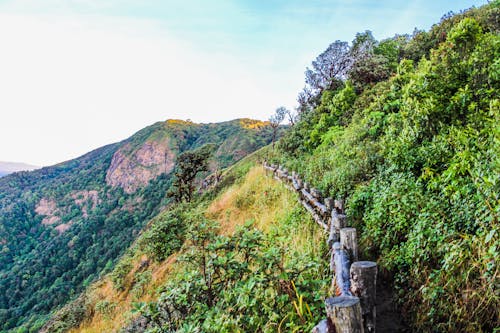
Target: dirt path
{"x": 389, "y": 319}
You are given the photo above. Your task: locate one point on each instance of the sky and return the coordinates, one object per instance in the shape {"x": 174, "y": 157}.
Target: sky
{"x": 79, "y": 74}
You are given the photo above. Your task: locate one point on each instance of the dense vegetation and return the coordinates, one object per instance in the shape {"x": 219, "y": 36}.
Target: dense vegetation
{"x": 45, "y": 262}
{"x": 243, "y": 256}
{"x": 408, "y": 133}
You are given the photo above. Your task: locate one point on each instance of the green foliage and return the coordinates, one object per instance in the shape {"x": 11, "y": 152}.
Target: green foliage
{"x": 240, "y": 282}
{"x": 120, "y": 272}
{"x": 105, "y": 308}
{"x": 165, "y": 234}
{"x": 71, "y": 315}
{"x": 418, "y": 165}
{"x": 141, "y": 280}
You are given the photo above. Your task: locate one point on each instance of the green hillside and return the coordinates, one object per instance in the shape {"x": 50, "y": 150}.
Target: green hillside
{"x": 61, "y": 227}
{"x": 236, "y": 259}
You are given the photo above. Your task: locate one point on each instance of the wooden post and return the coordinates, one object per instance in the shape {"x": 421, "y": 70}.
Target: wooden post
{"x": 342, "y": 269}
{"x": 307, "y": 187}
{"x": 345, "y": 314}
{"x": 324, "y": 326}
{"x": 349, "y": 242}
{"x": 339, "y": 204}
{"x": 338, "y": 222}
{"x": 363, "y": 285}
{"x": 332, "y": 237}
{"x": 329, "y": 204}
{"x": 316, "y": 193}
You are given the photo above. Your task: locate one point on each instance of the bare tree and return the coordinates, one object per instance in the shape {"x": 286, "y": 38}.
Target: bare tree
{"x": 292, "y": 116}
{"x": 276, "y": 119}
{"x": 330, "y": 67}
{"x": 329, "y": 71}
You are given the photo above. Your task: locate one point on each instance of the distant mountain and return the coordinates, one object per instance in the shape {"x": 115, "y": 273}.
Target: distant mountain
{"x": 61, "y": 226}
{"x": 10, "y": 167}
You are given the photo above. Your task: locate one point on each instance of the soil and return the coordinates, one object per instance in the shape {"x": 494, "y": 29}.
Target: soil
{"x": 389, "y": 318}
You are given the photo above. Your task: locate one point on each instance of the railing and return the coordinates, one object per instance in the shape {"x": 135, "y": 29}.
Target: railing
{"x": 352, "y": 309}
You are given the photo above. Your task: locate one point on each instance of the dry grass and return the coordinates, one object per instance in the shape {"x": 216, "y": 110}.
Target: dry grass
{"x": 256, "y": 198}
{"x": 122, "y": 300}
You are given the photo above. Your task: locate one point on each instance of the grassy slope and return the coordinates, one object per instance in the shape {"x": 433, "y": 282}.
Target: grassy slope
{"x": 247, "y": 195}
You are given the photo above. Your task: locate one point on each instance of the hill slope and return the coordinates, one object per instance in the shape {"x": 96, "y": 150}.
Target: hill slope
{"x": 407, "y": 135}
{"x": 61, "y": 226}
{"x": 248, "y": 239}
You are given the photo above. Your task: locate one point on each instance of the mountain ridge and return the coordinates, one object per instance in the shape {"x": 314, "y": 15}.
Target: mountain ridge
{"x": 77, "y": 216}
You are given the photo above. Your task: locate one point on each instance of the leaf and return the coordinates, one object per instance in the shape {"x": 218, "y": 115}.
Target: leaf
{"x": 490, "y": 235}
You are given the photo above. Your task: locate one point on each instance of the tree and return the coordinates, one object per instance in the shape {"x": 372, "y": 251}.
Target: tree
{"x": 292, "y": 116}
{"x": 276, "y": 119}
{"x": 328, "y": 72}
{"x": 330, "y": 67}
{"x": 189, "y": 164}
{"x": 368, "y": 65}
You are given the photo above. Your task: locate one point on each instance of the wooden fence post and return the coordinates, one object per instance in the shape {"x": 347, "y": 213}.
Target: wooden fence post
{"x": 345, "y": 314}
{"x": 339, "y": 204}
{"x": 349, "y": 242}
{"x": 316, "y": 194}
{"x": 329, "y": 204}
{"x": 363, "y": 285}
{"x": 338, "y": 222}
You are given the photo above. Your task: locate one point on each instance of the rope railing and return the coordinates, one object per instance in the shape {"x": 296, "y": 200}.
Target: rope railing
{"x": 352, "y": 308}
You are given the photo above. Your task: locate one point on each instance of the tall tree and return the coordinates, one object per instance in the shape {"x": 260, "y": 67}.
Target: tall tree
{"x": 330, "y": 67}
{"x": 328, "y": 72}
{"x": 369, "y": 64}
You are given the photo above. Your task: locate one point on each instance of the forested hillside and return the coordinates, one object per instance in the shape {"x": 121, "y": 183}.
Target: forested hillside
{"x": 406, "y": 131}
{"x": 61, "y": 227}
{"x": 244, "y": 256}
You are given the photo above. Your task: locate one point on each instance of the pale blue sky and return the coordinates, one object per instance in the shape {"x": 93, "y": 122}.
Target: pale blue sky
{"x": 79, "y": 74}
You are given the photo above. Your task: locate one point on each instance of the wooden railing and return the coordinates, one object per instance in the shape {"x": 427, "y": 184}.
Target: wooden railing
{"x": 352, "y": 308}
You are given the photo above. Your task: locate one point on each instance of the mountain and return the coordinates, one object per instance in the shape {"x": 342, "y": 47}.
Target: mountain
{"x": 10, "y": 167}
{"x": 406, "y": 132}
{"x": 62, "y": 226}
